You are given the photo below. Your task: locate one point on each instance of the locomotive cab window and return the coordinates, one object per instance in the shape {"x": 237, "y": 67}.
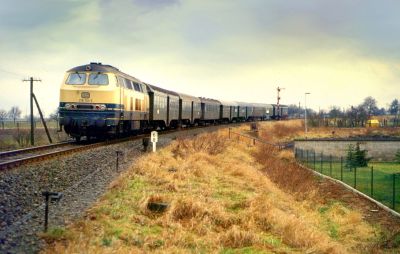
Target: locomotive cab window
{"x": 98, "y": 79}
{"x": 76, "y": 79}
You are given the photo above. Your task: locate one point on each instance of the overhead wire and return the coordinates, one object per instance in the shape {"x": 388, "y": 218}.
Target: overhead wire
{"x": 11, "y": 72}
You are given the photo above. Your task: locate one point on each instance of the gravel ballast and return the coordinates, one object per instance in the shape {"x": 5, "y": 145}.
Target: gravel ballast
{"x": 81, "y": 177}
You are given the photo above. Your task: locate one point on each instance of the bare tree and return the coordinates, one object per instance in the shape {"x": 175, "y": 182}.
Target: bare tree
{"x": 3, "y": 116}
{"x": 335, "y": 113}
{"x": 14, "y": 113}
{"x": 369, "y": 106}
{"x": 54, "y": 115}
{"x": 394, "y": 107}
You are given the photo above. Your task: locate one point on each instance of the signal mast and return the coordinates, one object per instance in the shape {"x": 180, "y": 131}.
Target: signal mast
{"x": 278, "y": 99}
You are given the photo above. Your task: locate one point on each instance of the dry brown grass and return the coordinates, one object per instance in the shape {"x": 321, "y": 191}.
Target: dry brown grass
{"x": 220, "y": 201}
{"x": 285, "y": 172}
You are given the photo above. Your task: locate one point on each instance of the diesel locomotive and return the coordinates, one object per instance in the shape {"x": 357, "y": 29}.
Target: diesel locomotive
{"x": 99, "y": 101}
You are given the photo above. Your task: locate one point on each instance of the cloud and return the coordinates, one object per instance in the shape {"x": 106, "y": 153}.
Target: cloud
{"x": 155, "y": 3}
{"x": 222, "y": 49}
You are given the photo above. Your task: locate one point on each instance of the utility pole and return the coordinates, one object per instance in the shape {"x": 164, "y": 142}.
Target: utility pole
{"x": 278, "y": 99}
{"x": 31, "y": 80}
{"x": 305, "y": 111}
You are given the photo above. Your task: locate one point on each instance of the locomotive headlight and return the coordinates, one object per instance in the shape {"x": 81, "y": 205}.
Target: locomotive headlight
{"x": 100, "y": 107}
{"x": 70, "y": 106}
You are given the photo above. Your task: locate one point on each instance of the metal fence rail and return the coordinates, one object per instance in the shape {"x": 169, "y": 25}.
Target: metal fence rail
{"x": 253, "y": 140}
{"x": 378, "y": 181}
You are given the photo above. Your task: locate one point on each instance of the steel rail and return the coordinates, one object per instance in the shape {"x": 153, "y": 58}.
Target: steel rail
{"x": 33, "y": 149}
{"x": 40, "y": 157}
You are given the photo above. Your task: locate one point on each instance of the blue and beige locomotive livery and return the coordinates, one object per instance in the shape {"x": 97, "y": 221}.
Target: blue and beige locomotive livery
{"x": 99, "y": 101}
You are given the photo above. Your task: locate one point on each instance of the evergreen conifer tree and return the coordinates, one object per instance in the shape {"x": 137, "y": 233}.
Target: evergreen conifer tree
{"x": 397, "y": 158}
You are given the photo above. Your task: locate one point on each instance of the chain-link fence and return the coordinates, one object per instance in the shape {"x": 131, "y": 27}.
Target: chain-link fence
{"x": 379, "y": 180}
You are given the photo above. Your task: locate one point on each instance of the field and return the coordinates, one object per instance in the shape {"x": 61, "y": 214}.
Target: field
{"x": 224, "y": 196}
{"x": 376, "y": 180}
{"x": 15, "y": 136}
{"x": 294, "y": 129}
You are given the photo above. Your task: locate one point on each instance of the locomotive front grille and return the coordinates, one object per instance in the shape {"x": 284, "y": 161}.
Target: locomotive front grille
{"x": 84, "y": 106}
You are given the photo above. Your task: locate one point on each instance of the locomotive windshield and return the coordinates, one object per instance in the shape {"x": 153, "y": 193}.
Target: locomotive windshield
{"x": 98, "y": 79}
{"x": 76, "y": 79}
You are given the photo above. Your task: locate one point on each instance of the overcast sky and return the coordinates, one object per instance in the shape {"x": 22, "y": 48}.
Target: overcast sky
{"x": 339, "y": 51}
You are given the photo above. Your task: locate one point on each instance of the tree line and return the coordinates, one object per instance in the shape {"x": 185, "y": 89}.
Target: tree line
{"x": 15, "y": 112}
{"x": 355, "y": 114}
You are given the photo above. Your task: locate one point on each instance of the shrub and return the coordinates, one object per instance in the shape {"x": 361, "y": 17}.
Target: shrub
{"x": 22, "y": 137}
{"x": 211, "y": 144}
{"x": 356, "y": 157}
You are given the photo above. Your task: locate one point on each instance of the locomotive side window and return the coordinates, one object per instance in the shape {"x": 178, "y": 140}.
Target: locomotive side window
{"x": 76, "y": 79}
{"x": 144, "y": 90}
{"x": 98, "y": 79}
{"x": 137, "y": 87}
{"x": 128, "y": 84}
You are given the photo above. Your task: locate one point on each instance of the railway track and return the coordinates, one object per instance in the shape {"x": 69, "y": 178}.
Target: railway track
{"x": 15, "y": 158}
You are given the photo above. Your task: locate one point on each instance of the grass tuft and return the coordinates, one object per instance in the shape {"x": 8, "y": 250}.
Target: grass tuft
{"x": 238, "y": 238}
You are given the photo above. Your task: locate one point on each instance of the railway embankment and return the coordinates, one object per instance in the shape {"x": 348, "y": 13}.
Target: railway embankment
{"x": 211, "y": 194}
{"x": 81, "y": 177}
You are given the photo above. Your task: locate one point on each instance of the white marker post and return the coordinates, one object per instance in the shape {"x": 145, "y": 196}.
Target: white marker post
{"x": 154, "y": 139}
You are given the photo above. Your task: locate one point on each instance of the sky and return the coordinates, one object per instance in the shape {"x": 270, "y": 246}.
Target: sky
{"x": 240, "y": 50}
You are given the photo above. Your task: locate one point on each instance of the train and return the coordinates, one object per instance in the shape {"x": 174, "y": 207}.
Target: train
{"x": 99, "y": 101}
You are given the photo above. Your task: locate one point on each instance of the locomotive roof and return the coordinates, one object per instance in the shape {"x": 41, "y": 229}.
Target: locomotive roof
{"x": 95, "y": 67}
{"x": 99, "y": 67}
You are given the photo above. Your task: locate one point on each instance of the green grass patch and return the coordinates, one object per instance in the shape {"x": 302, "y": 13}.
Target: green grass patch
{"x": 271, "y": 240}
{"x": 56, "y": 234}
{"x": 246, "y": 250}
{"x": 376, "y": 180}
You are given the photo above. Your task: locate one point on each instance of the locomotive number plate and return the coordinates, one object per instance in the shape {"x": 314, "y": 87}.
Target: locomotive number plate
{"x": 85, "y": 95}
